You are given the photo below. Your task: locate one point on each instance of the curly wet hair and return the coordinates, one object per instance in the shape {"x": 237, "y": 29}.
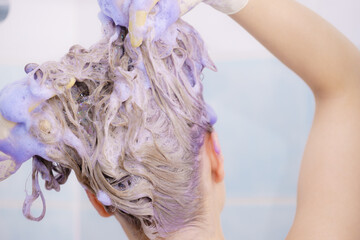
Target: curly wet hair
{"x": 130, "y": 127}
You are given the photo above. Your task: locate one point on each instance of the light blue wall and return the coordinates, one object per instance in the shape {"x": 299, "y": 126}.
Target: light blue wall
{"x": 265, "y": 112}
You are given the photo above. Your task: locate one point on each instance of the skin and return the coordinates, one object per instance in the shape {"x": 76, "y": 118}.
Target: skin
{"x": 17, "y": 102}
{"x": 328, "y": 205}
{"x": 212, "y": 169}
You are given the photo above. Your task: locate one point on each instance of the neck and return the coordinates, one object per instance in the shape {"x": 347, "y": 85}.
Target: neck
{"x": 210, "y": 232}
{"x": 209, "y": 229}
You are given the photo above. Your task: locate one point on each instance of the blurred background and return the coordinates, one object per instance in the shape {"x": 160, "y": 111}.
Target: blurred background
{"x": 265, "y": 113}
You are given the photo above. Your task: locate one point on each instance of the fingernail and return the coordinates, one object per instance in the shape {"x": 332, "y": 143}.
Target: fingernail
{"x": 71, "y": 83}
{"x": 136, "y": 42}
{"x": 6, "y": 127}
{"x": 216, "y": 147}
{"x": 140, "y": 17}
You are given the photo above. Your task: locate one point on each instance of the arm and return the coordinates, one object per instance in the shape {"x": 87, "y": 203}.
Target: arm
{"x": 329, "y": 183}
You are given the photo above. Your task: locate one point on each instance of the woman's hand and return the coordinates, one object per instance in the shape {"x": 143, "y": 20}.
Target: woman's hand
{"x": 150, "y": 18}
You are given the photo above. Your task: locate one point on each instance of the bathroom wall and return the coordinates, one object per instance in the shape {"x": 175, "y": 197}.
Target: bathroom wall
{"x": 265, "y": 113}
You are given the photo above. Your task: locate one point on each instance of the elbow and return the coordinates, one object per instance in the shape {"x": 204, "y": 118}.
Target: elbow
{"x": 344, "y": 83}
{"x": 335, "y": 76}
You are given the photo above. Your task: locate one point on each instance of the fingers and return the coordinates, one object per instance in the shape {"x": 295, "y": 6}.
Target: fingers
{"x": 117, "y": 10}
{"x": 5, "y": 127}
{"x": 7, "y": 166}
{"x": 168, "y": 13}
{"x": 135, "y": 15}
{"x": 138, "y": 13}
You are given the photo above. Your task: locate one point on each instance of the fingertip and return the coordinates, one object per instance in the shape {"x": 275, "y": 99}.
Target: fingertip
{"x": 137, "y": 20}
{"x": 140, "y": 18}
{"x": 135, "y": 39}
{"x": 136, "y": 43}
{"x": 140, "y": 21}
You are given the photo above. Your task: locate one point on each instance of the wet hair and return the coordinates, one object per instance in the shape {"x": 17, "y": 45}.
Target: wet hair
{"x": 131, "y": 126}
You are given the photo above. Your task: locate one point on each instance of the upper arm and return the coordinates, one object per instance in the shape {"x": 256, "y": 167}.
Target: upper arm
{"x": 328, "y": 204}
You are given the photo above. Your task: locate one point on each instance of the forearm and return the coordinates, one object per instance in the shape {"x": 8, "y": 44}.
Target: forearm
{"x": 306, "y": 43}
{"x": 328, "y": 205}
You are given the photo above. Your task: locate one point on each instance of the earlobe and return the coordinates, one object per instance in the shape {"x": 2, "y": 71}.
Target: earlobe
{"x": 97, "y": 205}
{"x": 216, "y": 158}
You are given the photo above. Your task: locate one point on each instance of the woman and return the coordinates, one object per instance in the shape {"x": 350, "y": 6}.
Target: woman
{"x": 130, "y": 122}
{"x": 328, "y": 205}
{"x": 322, "y": 197}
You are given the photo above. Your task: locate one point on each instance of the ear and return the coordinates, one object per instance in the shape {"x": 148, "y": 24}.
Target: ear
{"x": 97, "y": 204}
{"x": 216, "y": 158}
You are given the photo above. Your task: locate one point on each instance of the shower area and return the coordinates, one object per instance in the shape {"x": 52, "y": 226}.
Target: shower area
{"x": 264, "y": 113}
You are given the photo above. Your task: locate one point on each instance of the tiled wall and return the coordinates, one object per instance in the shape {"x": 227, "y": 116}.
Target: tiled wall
{"x": 265, "y": 113}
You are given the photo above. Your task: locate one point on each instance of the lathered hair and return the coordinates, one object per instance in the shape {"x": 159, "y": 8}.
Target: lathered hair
{"x": 130, "y": 128}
